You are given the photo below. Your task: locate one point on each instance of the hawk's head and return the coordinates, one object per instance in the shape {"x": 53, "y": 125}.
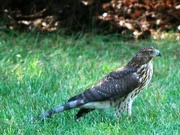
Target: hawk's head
{"x": 144, "y": 56}
{"x": 149, "y": 52}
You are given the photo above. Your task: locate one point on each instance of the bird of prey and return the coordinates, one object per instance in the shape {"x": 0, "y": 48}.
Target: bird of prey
{"x": 117, "y": 89}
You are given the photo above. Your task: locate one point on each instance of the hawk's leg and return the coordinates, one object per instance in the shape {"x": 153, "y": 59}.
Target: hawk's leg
{"x": 124, "y": 107}
{"x": 82, "y": 112}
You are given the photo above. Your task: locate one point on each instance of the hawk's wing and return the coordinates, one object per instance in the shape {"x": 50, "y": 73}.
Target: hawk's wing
{"x": 113, "y": 86}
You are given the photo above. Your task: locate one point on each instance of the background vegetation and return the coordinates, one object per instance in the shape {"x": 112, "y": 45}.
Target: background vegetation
{"x": 137, "y": 18}
{"x": 39, "y": 72}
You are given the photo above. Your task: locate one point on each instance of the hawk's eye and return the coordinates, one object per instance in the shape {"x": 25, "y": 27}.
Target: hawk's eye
{"x": 150, "y": 52}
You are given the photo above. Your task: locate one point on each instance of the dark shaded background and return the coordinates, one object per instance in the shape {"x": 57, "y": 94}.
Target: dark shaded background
{"x": 140, "y": 18}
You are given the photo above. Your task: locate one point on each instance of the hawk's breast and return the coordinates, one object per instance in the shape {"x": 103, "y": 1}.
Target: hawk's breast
{"x": 145, "y": 74}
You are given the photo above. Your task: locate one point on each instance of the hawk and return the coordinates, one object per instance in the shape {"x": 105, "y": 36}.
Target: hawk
{"x": 117, "y": 89}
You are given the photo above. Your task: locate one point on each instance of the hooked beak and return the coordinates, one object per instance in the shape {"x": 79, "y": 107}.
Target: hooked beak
{"x": 158, "y": 53}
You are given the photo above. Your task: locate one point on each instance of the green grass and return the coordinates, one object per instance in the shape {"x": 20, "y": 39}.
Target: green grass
{"x": 39, "y": 72}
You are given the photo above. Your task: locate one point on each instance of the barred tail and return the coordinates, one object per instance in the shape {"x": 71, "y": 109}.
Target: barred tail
{"x": 67, "y": 106}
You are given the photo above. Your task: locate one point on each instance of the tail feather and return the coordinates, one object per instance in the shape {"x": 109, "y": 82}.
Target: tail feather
{"x": 67, "y": 106}
{"x": 77, "y": 97}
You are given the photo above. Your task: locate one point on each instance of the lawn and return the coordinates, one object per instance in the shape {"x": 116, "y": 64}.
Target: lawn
{"x": 39, "y": 72}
